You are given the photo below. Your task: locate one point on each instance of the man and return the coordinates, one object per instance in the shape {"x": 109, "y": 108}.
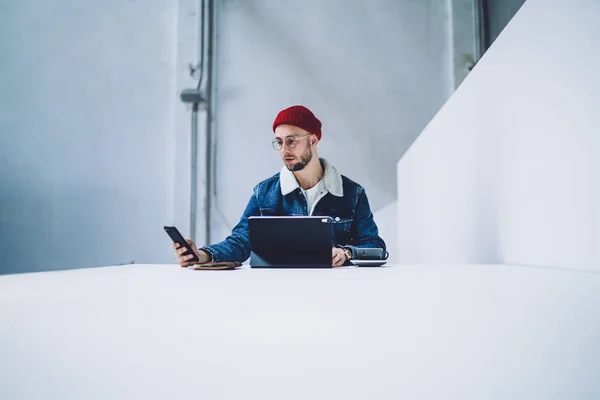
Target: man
{"x": 306, "y": 185}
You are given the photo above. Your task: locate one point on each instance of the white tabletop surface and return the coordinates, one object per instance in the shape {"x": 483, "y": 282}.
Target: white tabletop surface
{"x": 426, "y": 332}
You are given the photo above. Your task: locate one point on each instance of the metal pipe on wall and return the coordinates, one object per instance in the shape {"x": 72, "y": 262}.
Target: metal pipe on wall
{"x": 479, "y": 29}
{"x": 195, "y": 96}
{"x": 194, "y": 133}
{"x": 194, "y": 171}
{"x": 209, "y": 117}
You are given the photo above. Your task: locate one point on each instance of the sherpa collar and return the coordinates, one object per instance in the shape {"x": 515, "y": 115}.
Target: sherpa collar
{"x": 332, "y": 180}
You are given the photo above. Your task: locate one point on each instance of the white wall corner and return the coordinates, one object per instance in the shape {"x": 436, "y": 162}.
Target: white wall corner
{"x": 387, "y": 222}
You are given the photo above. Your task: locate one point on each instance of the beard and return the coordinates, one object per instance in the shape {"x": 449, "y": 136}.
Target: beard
{"x": 305, "y": 158}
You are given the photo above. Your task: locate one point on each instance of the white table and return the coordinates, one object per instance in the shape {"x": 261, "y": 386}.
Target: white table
{"x": 163, "y": 332}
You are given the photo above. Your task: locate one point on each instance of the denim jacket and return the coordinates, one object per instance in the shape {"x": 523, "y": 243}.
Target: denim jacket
{"x": 345, "y": 202}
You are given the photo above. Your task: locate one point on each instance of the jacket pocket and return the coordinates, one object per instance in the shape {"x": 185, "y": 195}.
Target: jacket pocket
{"x": 341, "y": 229}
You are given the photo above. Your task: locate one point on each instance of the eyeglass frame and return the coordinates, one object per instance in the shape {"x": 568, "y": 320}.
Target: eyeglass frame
{"x": 278, "y": 146}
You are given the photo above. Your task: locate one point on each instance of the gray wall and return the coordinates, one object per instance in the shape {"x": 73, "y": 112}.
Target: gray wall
{"x": 95, "y": 145}
{"x": 373, "y": 72}
{"x": 86, "y": 99}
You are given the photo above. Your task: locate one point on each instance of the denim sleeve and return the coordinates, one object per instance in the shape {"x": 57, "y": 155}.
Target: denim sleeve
{"x": 236, "y": 247}
{"x": 366, "y": 232}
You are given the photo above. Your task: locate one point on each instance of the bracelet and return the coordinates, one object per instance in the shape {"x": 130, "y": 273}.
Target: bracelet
{"x": 348, "y": 254}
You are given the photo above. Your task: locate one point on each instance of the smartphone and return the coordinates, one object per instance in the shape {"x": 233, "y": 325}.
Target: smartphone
{"x": 176, "y": 236}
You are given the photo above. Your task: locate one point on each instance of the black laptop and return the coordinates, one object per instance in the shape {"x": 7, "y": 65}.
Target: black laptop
{"x": 290, "y": 242}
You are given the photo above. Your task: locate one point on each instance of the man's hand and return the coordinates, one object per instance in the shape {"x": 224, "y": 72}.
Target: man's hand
{"x": 184, "y": 261}
{"x": 338, "y": 257}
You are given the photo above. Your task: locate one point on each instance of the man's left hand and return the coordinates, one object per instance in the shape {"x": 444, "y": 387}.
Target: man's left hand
{"x": 338, "y": 257}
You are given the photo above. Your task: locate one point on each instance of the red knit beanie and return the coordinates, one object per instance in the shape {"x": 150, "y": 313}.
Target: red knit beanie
{"x": 301, "y": 117}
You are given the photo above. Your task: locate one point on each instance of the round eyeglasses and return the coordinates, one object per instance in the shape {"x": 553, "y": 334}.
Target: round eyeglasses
{"x": 290, "y": 141}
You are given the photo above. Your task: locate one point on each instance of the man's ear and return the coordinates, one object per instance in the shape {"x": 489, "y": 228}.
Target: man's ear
{"x": 314, "y": 140}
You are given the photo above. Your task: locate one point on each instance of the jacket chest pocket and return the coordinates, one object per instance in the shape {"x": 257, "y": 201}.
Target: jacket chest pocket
{"x": 342, "y": 230}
